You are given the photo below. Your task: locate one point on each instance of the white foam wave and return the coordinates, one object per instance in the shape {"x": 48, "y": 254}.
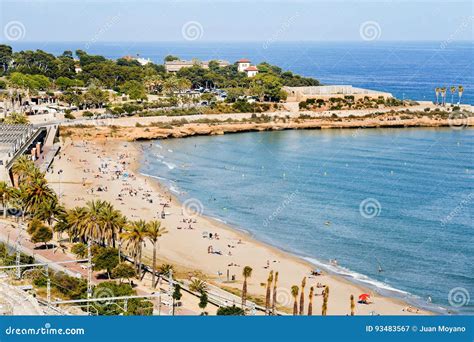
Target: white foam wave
{"x": 171, "y": 166}
{"x": 152, "y": 176}
{"x": 174, "y": 189}
{"x": 361, "y": 278}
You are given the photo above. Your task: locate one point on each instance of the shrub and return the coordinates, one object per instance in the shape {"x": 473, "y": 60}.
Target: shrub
{"x": 69, "y": 116}
{"x": 230, "y": 311}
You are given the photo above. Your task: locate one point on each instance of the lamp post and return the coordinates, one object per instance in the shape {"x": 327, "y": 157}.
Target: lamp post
{"x": 59, "y": 176}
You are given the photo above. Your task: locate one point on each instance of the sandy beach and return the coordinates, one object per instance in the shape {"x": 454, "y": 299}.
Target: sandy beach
{"x": 108, "y": 170}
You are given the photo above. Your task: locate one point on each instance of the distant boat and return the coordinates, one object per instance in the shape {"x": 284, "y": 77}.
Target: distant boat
{"x": 327, "y": 223}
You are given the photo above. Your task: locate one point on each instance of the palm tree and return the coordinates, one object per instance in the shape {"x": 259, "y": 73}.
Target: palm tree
{"x": 49, "y": 211}
{"x": 460, "y": 91}
{"x": 5, "y": 193}
{"x": 443, "y": 96}
{"x": 22, "y": 166}
{"x": 75, "y": 219}
{"x": 294, "y": 292}
{"x": 453, "y": 90}
{"x": 166, "y": 269}
{"x": 90, "y": 226}
{"x": 310, "y": 305}
{"x": 37, "y": 193}
{"x": 153, "y": 232}
{"x": 197, "y": 285}
{"x": 247, "y": 273}
{"x": 134, "y": 237}
{"x": 303, "y": 284}
{"x": 268, "y": 294}
{"x": 352, "y": 305}
{"x": 437, "y": 90}
{"x": 325, "y": 301}
{"x": 112, "y": 223}
{"x": 274, "y": 293}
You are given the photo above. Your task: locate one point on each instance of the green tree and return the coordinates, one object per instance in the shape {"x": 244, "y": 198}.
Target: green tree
{"x": 134, "y": 89}
{"x": 171, "y": 58}
{"x": 123, "y": 271}
{"x": 42, "y": 234}
{"x": 230, "y": 311}
{"x": 6, "y": 55}
{"x": 176, "y": 295}
{"x": 203, "y": 300}
{"x": 106, "y": 259}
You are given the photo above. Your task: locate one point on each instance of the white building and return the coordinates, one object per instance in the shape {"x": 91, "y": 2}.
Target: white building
{"x": 143, "y": 61}
{"x": 137, "y": 58}
{"x": 251, "y": 71}
{"x": 243, "y": 64}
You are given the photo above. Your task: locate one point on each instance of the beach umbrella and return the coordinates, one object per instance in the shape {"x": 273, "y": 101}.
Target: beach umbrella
{"x": 364, "y": 297}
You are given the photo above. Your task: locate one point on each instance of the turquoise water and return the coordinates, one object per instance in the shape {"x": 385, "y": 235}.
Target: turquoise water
{"x": 400, "y": 200}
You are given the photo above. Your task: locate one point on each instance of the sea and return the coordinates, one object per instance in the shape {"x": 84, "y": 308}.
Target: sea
{"x": 408, "y": 70}
{"x": 393, "y": 206}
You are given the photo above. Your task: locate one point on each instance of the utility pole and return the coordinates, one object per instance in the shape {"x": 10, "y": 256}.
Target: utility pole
{"x": 59, "y": 176}
{"x": 170, "y": 291}
{"x": 48, "y": 287}
{"x": 18, "y": 254}
{"x": 89, "y": 274}
{"x": 253, "y": 311}
{"x": 4, "y": 205}
{"x": 159, "y": 295}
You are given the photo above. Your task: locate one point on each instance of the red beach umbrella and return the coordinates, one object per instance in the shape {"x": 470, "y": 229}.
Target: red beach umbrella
{"x": 364, "y": 297}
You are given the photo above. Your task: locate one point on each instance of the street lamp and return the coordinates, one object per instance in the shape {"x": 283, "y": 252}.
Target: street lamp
{"x": 59, "y": 175}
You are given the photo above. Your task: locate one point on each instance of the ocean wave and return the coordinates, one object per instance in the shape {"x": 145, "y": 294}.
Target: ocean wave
{"x": 152, "y": 176}
{"x": 170, "y": 166}
{"x": 174, "y": 189}
{"x": 358, "y": 277}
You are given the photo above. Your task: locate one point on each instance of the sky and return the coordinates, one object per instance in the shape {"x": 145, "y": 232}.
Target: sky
{"x": 234, "y": 20}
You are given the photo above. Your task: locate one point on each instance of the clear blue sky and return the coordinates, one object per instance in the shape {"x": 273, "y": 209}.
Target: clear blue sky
{"x": 236, "y": 20}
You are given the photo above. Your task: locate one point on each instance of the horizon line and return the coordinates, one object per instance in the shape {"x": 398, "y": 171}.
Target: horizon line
{"x": 239, "y": 41}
